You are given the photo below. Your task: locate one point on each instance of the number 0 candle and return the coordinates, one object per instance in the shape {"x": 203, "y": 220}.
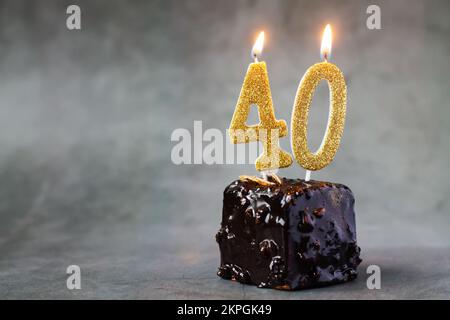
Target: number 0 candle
{"x": 336, "y": 119}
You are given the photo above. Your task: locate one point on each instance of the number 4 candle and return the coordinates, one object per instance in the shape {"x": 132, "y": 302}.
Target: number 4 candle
{"x": 290, "y": 233}
{"x": 256, "y": 90}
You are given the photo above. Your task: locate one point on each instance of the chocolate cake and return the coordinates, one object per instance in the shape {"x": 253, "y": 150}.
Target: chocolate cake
{"x": 288, "y": 234}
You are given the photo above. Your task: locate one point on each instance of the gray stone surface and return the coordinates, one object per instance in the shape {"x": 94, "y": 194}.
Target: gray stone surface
{"x": 86, "y": 118}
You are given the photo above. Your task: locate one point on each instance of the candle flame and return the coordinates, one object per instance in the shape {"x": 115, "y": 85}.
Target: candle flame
{"x": 325, "y": 48}
{"x": 258, "y": 46}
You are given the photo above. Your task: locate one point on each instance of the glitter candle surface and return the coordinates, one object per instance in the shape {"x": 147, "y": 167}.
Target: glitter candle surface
{"x": 336, "y": 120}
{"x": 256, "y": 90}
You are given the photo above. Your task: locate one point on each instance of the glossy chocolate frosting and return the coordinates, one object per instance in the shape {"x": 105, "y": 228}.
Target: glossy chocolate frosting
{"x": 289, "y": 236}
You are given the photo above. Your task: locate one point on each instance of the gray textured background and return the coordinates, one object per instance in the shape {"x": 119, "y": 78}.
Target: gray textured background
{"x": 86, "y": 118}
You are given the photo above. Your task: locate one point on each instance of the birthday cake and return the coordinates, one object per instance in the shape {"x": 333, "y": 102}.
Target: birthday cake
{"x": 288, "y": 234}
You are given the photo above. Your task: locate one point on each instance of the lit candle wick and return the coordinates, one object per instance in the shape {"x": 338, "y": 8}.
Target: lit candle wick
{"x": 258, "y": 47}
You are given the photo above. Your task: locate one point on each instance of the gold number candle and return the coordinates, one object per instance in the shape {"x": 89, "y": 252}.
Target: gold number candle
{"x": 336, "y": 119}
{"x": 256, "y": 90}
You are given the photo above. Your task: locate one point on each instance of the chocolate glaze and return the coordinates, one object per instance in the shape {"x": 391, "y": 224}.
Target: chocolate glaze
{"x": 290, "y": 236}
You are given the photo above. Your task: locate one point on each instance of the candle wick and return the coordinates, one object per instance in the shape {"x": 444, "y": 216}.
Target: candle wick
{"x": 255, "y": 58}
